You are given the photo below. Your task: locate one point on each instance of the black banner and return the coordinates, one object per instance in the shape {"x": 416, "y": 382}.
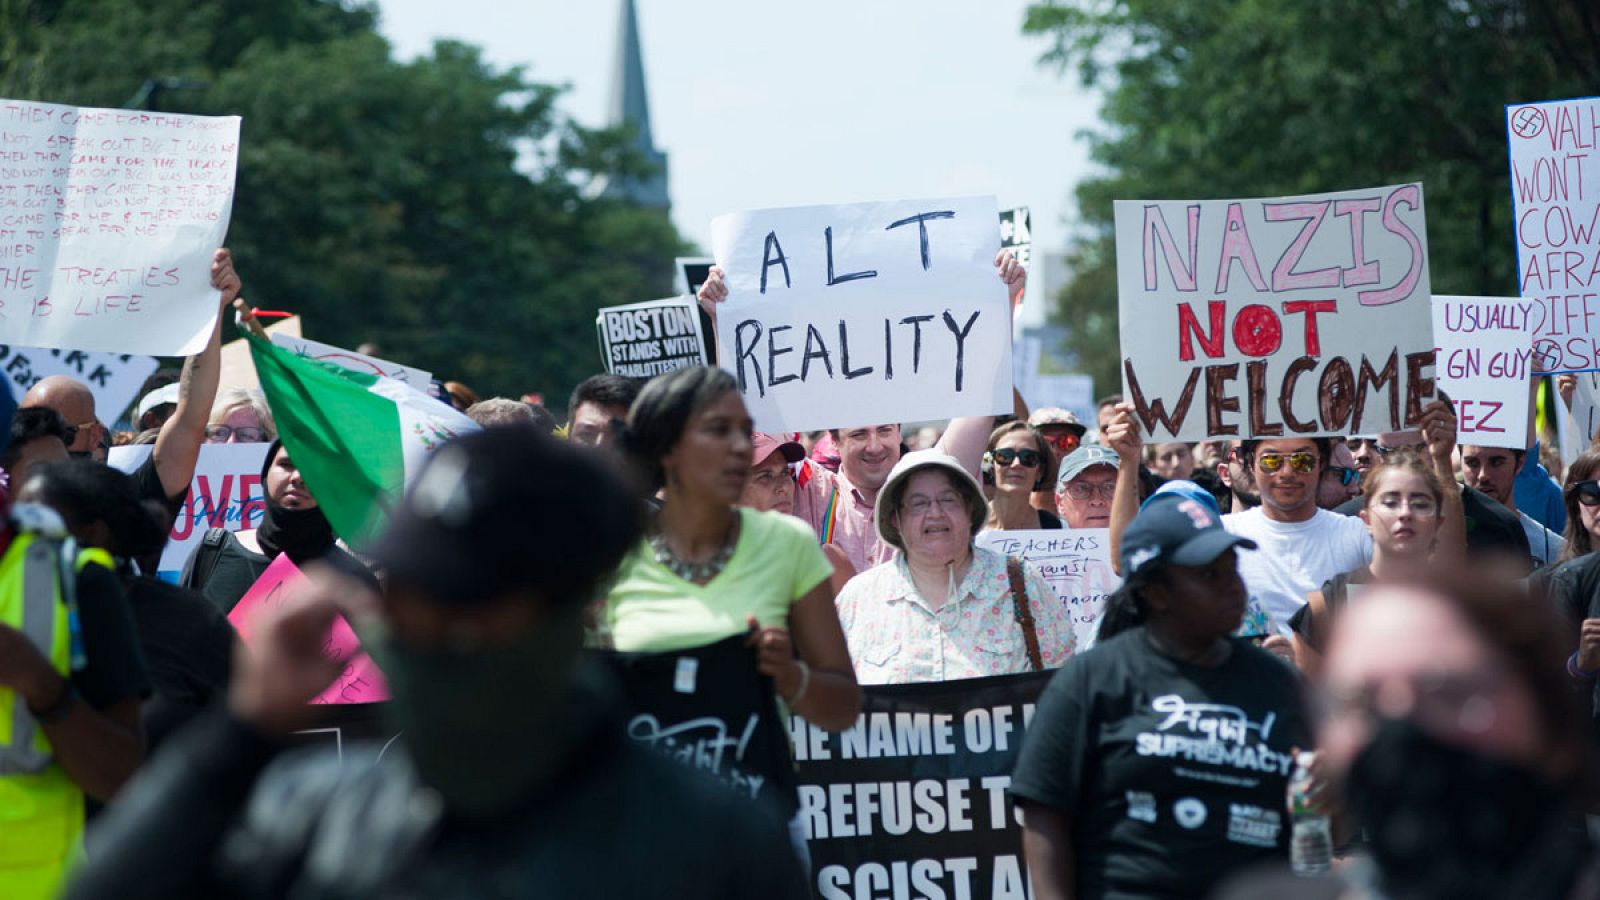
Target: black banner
{"x": 709, "y": 708}
{"x": 911, "y": 802}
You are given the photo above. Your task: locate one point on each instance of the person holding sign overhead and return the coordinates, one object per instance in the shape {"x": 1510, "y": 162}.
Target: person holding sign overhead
{"x": 839, "y": 507}
{"x": 944, "y": 609}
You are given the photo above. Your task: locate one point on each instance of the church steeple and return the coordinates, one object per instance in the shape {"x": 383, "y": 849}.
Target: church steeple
{"x": 630, "y": 106}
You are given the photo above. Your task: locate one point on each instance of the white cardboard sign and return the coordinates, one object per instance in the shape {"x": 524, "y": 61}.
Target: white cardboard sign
{"x": 1555, "y": 200}
{"x": 226, "y": 493}
{"x": 839, "y": 316}
{"x": 108, "y": 222}
{"x": 1285, "y": 316}
{"x": 1076, "y": 562}
{"x": 1485, "y": 354}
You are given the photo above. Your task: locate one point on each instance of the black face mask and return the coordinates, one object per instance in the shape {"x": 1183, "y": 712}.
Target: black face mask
{"x": 304, "y": 534}
{"x": 1449, "y": 823}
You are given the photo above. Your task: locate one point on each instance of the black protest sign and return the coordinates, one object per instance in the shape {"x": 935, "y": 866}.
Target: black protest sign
{"x": 693, "y": 272}
{"x": 1016, "y": 233}
{"x": 709, "y": 708}
{"x": 643, "y": 340}
{"x": 911, "y": 801}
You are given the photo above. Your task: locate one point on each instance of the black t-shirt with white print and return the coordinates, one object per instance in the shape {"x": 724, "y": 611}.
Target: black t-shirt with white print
{"x": 1172, "y": 775}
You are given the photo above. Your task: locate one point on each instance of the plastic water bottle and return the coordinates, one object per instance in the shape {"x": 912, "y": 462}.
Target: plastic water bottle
{"x": 1311, "y": 841}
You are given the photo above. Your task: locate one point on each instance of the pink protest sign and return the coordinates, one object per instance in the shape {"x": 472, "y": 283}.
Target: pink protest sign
{"x": 360, "y": 681}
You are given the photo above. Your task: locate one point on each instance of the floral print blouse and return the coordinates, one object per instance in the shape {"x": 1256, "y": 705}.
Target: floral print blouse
{"x": 895, "y": 637}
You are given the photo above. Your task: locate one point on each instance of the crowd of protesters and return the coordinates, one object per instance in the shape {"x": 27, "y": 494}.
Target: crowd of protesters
{"x": 1424, "y": 615}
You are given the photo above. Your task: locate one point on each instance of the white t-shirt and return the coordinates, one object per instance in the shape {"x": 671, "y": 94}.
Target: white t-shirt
{"x": 1295, "y": 558}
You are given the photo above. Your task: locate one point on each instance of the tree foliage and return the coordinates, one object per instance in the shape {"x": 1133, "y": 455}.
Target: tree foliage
{"x": 437, "y": 207}
{"x": 1250, "y": 98}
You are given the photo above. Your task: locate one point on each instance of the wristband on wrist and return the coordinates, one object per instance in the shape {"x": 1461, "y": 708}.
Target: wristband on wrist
{"x": 60, "y": 708}
{"x": 805, "y": 682}
{"x": 1576, "y": 671}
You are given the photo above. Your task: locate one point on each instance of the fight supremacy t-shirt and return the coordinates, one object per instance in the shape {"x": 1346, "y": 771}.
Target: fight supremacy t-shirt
{"x": 1172, "y": 775}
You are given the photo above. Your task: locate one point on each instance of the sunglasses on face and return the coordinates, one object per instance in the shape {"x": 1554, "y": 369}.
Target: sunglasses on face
{"x": 1006, "y": 456}
{"x": 1064, "y": 443}
{"x": 1301, "y": 462}
{"x": 1588, "y": 492}
{"x": 1347, "y": 475}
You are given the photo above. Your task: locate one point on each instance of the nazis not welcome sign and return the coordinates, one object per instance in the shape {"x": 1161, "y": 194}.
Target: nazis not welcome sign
{"x": 1294, "y": 315}
{"x": 867, "y": 313}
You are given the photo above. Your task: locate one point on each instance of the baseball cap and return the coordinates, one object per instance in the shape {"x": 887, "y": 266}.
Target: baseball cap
{"x": 910, "y": 464}
{"x": 1082, "y": 458}
{"x": 1173, "y": 529}
{"x": 504, "y": 509}
{"x": 765, "y": 444}
{"x": 1188, "y": 489}
{"x": 165, "y": 394}
{"x": 1055, "y": 415}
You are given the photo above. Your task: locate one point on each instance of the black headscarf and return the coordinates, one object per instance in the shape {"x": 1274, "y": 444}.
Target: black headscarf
{"x": 304, "y": 534}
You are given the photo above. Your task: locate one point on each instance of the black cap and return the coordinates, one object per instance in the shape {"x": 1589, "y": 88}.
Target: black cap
{"x": 506, "y": 509}
{"x": 1173, "y": 529}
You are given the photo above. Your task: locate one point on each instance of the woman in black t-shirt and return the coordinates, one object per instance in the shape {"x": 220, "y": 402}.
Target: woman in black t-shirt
{"x": 1158, "y": 761}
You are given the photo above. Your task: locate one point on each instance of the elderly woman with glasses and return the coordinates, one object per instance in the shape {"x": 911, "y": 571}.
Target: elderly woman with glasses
{"x": 1017, "y": 463}
{"x": 942, "y": 609}
{"x": 240, "y": 416}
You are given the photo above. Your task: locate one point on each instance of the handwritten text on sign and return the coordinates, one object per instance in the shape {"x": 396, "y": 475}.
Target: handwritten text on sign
{"x": 225, "y": 493}
{"x": 108, "y": 219}
{"x": 1484, "y": 359}
{"x": 1295, "y": 315}
{"x": 863, "y": 314}
{"x": 359, "y": 681}
{"x": 914, "y": 794}
{"x": 1555, "y": 194}
{"x": 1076, "y": 562}
{"x": 643, "y": 340}
{"x": 354, "y": 361}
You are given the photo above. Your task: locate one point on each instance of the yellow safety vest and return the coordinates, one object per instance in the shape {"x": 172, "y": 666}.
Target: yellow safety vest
{"x": 41, "y": 810}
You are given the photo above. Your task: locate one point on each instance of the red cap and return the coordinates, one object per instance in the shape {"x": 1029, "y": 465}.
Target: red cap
{"x": 766, "y": 444}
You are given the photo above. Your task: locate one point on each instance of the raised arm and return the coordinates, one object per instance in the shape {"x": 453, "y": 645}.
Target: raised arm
{"x": 966, "y": 437}
{"x": 1122, "y": 435}
{"x": 178, "y": 445}
{"x": 1438, "y": 426}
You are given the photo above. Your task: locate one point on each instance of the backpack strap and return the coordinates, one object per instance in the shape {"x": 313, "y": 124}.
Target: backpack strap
{"x": 206, "y": 557}
{"x": 1019, "y": 601}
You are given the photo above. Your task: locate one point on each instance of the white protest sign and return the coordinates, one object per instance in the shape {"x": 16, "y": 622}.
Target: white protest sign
{"x": 1484, "y": 357}
{"x": 646, "y": 339}
{"x": 852, "y": 315}
{"x": 1555, "y": 199}
{"x": 108, "y": 221}
{"x": 1076, "y": 562}
{"x": 1293, "y": 315}
{"x": 113, "y": 378}
{"x": 355, "y": 362}
{"x": 226, "y": 493}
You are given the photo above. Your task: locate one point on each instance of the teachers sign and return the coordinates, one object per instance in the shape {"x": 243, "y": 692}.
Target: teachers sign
{"x": 861, "y": 314}
{"x": 1257, "y": 318}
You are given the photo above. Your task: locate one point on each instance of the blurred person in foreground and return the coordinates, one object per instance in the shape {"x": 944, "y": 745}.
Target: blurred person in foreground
{"x": 1450, "y": 734}
{"x": 546, "y": 797}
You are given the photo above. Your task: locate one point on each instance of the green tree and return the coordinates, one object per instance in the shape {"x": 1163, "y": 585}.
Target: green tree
{"x": 1248, "y": 98}
{"x": 437, "y": 207}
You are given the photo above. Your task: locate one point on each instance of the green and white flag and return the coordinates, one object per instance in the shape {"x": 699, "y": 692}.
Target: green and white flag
{"x": 357, "y": 438}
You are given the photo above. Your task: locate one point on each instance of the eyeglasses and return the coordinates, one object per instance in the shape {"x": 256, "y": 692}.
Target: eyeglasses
{"x": 1301, "y": 461}
{"x": 1063, "y": 442}
{"x": 1347, "y": 475}
{"x": 219, "y": 434}
{"x": 1420, "y": 506}
{"x": 1083, "y": 490}
{"x": 1006, "y": 456}
{"x": 919, "y": 505}
{"x": 1588, "y": 492}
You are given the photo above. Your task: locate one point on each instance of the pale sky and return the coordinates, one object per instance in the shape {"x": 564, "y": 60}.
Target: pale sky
{"x": 832, "y": 101}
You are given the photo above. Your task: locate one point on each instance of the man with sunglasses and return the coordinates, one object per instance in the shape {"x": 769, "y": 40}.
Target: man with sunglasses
{"x": 1341, "y": 480}
{"x": 1063, "y": 433}
{"x": 1302, "y": 545}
